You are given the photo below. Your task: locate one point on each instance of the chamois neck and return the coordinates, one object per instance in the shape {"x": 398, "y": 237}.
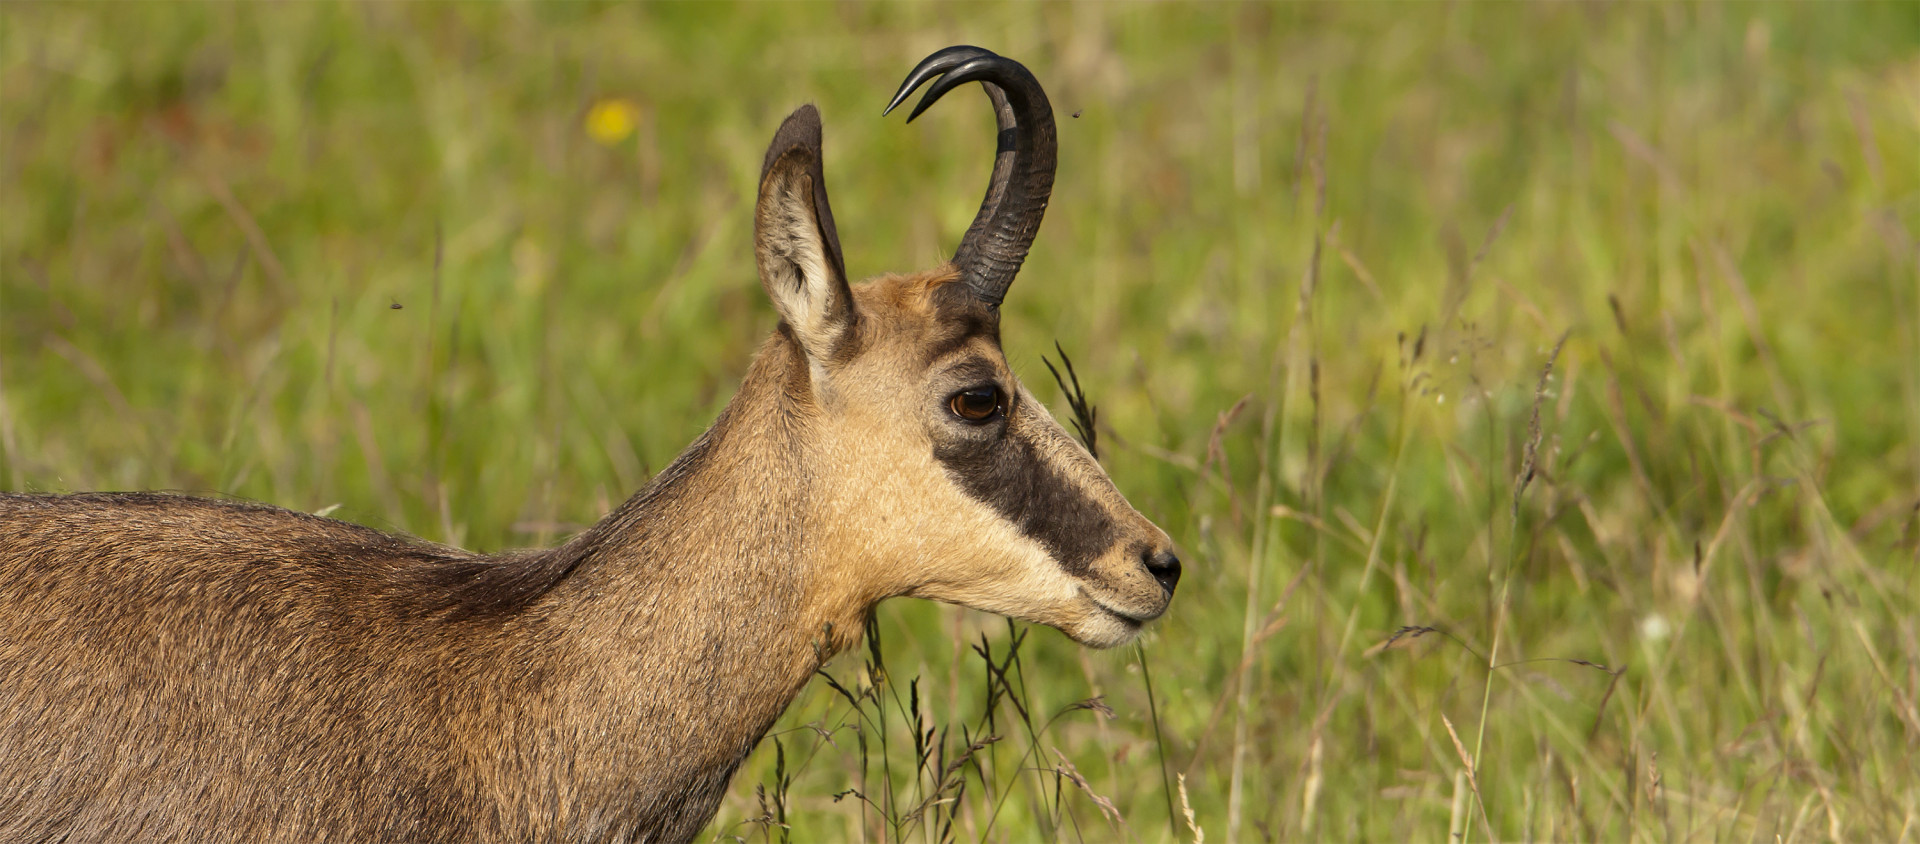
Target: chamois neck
{"x": 701, "y": 589}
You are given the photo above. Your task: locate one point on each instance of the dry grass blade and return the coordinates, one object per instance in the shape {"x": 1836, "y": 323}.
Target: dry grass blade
{"x": 1408, "y": 634}
{"x": 1097, "y": 703}
{"x": 1107, "y": 809}
{"x": 1529, "y": 462}
{"x": 1217, "y": 454}
{"x": 1186, "y": 808}
{"x": 1473, "y": 776}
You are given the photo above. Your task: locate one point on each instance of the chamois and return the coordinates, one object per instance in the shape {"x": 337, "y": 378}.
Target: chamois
{"x": 177, "y": 669}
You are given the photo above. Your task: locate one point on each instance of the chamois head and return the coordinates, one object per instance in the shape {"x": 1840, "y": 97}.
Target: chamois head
{"x": 935, "y": 474}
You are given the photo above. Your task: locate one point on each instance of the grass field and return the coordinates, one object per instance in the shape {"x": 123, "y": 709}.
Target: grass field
{"x": 1533, "y": 390}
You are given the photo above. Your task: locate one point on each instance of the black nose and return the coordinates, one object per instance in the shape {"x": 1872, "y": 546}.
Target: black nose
{"x": 1165, "y": 567}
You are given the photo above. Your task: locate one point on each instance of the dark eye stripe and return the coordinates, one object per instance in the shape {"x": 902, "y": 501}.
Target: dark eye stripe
{"x": 1008, "y": 475}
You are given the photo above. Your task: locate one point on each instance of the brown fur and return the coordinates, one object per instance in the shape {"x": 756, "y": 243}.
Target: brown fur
{"x": 181, "y": 669}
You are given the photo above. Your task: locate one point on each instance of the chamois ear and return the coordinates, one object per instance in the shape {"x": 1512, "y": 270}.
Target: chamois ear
{"x": 795, "y": 241}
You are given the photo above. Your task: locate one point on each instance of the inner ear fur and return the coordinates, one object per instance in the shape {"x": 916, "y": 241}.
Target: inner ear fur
{"x": 795, "y": 242}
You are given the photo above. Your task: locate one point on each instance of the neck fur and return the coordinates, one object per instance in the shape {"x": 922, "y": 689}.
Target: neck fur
{"x": 697, "y": 611}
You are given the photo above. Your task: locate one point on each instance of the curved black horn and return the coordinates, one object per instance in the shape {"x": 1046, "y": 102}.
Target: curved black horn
{"x": 994, "y": 246}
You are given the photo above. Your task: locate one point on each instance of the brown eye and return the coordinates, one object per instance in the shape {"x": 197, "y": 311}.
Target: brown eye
{"x": 978, "y": 404}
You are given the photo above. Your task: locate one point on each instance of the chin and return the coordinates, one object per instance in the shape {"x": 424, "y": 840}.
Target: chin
{"x": 1101, "y": 629}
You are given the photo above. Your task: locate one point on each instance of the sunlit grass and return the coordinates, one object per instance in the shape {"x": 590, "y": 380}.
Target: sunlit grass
{"x": 476, "y": 271}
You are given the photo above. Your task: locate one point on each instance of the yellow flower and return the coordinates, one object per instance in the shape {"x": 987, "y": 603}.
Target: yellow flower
{"x": 612, "y": 119}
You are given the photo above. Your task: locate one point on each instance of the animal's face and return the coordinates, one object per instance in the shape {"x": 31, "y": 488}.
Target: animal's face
{"x": 957, "y": 485}
{"x": 935, "y": 473}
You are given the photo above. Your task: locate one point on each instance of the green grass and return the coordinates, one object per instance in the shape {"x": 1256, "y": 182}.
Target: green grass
{"x": 1311, "y": 262}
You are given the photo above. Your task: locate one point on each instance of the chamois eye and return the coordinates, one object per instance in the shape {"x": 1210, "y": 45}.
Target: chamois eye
{"x": 978, "y": 404}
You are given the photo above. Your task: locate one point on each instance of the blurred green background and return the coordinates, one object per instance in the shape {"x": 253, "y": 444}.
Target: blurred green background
{"x": 476, "y": 271}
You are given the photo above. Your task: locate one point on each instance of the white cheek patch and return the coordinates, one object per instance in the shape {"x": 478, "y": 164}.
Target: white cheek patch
{"x": 986, "y": 563}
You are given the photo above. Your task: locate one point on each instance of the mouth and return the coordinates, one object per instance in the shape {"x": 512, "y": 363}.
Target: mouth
{"x": 1133, "y": 621}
